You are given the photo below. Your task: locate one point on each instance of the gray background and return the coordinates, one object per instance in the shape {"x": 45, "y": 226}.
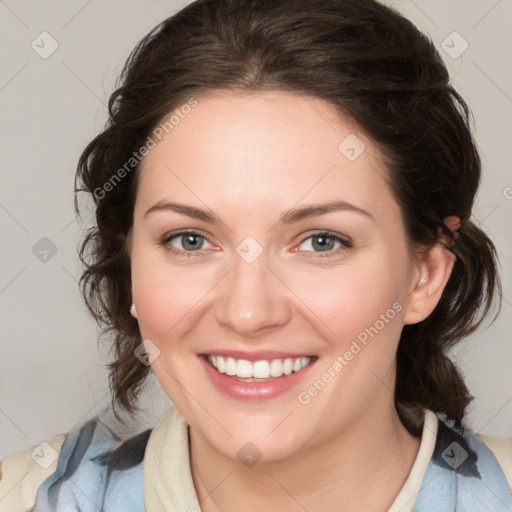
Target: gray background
{"x": 51, "y": 373}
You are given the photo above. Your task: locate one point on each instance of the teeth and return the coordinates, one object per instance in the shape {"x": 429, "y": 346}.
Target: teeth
{"x": 230, "y": 366}
{"x": 259, "y": 369}
{"x": 243, "y": 368}
{"x": 276, "y": 368}
{"x": 219, "y": 363}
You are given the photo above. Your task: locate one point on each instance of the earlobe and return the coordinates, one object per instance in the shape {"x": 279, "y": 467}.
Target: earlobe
{"x": 435, "y": 268}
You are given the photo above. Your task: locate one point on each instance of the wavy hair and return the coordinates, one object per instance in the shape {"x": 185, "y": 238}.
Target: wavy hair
{"x": 372, "y": 65}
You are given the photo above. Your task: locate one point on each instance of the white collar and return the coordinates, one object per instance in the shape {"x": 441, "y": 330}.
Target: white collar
{"x": 168, "y": 483}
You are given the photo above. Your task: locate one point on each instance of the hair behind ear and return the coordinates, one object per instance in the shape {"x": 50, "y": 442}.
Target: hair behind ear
{"x": 426, "y": 377}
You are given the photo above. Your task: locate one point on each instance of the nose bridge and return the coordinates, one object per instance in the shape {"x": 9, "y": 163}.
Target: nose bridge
{"x": 253, "y": 297}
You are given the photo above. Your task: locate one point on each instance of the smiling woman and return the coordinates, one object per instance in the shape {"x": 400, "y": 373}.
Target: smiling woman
{"x": 291, "y": 257}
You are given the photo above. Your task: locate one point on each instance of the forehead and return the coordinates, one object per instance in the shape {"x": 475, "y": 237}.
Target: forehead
{"x": 265, "y": 150}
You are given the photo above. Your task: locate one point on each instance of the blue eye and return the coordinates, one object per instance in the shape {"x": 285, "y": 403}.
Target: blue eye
{"x": 323, "y": 241}
{"x": 191, "y": 242}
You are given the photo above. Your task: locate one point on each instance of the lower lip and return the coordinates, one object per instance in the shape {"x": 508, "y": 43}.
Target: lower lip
{"x": 253, "y": 390}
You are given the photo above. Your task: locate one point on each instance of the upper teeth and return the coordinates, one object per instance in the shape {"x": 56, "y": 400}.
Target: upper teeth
{"x": 258, "y": 369}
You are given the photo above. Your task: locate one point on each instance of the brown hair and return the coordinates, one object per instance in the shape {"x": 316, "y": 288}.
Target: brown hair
{"x": 374, "y": 66}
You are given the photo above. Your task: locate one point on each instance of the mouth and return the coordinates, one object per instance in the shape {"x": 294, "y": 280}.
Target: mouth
{"x": 256, "y": 374}
{"x": 264, "y": 370}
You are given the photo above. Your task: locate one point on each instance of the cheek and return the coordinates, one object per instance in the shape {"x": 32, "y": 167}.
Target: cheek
{"x": 163, "y": 302}
{"x": 350, "y": 299}
{"x": 343, "y": 303}
{"x": 164, "y": 294}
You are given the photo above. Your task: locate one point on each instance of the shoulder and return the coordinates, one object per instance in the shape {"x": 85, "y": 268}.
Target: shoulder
{"x": 465, "y": 474}
{"x": 21, "y": 474}
{"x": 501, "y": 447}
{"x": 85, "y": 469}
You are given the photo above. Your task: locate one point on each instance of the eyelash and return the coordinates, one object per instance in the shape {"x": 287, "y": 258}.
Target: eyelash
{"x": 346, "y": 243}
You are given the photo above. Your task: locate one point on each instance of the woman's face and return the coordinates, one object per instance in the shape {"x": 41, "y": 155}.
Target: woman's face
{"x": 269, "y": 281}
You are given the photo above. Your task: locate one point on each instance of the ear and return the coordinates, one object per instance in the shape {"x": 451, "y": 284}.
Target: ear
{"x": 433, "y": 269}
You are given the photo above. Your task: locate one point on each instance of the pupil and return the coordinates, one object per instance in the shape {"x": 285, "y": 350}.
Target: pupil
{"x": 323, "y": 240}
{"x": 191, "y": 240}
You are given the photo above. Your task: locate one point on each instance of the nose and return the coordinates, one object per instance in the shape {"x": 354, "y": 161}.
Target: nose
{"x": 253, "y": 299}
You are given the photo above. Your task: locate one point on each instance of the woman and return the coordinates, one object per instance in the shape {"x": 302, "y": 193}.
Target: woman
{"x": 283, "y": 194}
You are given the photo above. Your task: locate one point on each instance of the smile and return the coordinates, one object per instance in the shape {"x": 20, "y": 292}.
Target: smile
{"x": 256, "y": 376}
{"x": 257, "y": 370}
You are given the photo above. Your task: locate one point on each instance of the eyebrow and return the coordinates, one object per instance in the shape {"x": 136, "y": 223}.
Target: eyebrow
{"x": 289, "y": 217}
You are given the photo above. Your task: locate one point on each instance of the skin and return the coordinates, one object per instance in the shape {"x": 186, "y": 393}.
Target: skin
{"x": 249, "y": 158}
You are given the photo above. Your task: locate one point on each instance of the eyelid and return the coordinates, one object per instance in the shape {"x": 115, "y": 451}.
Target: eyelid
{"x": 167, "y": 237}
{"x": 345, "y": 241}
{"x": 180, "y": 232}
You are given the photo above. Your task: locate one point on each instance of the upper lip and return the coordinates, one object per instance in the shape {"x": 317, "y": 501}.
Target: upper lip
{"x": 261, "y": 355}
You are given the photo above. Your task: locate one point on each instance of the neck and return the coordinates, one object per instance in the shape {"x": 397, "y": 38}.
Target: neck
{"x": 362, "y": 468}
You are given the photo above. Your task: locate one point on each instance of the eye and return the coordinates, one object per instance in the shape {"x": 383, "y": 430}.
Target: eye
{"x": 188, "y": 242}
{"x": 324, "y": 241}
